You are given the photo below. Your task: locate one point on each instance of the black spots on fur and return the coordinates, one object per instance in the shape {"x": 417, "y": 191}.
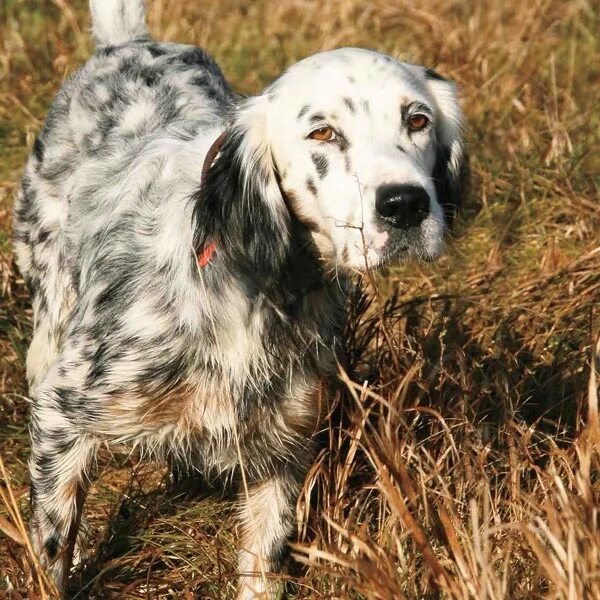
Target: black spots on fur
{"x": 364, "y": 104}
{"x": 120, "y": 286}
{"x": 317, "y": 118}
{"x": 347, "y": 163}
{"x": 51, "y": 546}
{"x": 61, "y": 440}
{"x": 195, "y": 57}
{"x": 400, "y": 148}
{"x": 28, "y": 209}
{"x": 342, "y": 141}
{"x": 210, "y": 88}
{"x": 150, "y": 78}
{"x": 106, "y": 51}
{"x": 432, "y": 74}
{"x": 150, "y": 75}
{"x": 43, "y": 235}
{"x": 117, "y": 295}
{"x": 99, "y": 363}
{"x": 405, "y": 111}
{"x": 21, "y": 235}
{"x": 350, "y": 105}
{"x": 57, "y": 117}
{"x": 203, "y": 70}
{"x": 210, "y": 93}
{"x": 106, "y": 125}
{"x": 59, "y": 166}
{"x": 310, "y": 186}
{"x": 131, "y": 68}
{"x": 321, "y": 164}
{"x": 91, "y": 97}
{"x": 303, "y": 111}
{"x": 128, "y": 67}
{"x": 27, "y": 189}
{"x": 156, "y": 50}
{"x": 351, "y": 79}
{"x": 196, "y": 61}
{"x": 38, "y": 149}
{"x": 45, "y": 462}
{"x": 200, "y": 81}
{"x": 65, "y": 396}
{"x": 32, "y": 279}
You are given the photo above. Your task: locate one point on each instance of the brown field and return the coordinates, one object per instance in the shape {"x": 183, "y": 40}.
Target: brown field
{"x": 461, "y": 457}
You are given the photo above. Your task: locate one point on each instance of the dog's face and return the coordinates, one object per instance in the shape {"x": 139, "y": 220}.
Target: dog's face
{"x": 366, "y": 152}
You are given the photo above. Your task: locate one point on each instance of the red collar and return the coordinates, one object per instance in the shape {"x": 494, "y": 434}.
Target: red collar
{"x": 206, "y": 254}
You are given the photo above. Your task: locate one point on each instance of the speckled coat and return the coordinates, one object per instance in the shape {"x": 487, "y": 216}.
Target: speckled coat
{"x": 134, "y": 342}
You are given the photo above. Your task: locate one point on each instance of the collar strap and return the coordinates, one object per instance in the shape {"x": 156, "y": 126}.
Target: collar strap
{"x": 211, "y": 155}
{"x": 206, "y": 254}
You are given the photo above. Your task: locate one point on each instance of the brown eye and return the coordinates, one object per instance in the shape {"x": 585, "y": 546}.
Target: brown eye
{"x": 418, "y": 122}
{"x": 323, "y": 134}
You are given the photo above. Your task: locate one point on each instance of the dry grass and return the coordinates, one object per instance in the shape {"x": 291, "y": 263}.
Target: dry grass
{"x": 461, "y": 456}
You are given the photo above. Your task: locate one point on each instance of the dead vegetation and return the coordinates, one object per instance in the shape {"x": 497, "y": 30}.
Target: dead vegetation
{"x": 461, "y": 455}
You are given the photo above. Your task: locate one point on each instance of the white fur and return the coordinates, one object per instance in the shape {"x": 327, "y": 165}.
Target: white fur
{"x": 118, "y": 21}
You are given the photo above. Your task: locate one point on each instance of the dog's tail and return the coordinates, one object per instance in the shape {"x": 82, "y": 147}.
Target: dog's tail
{"x": 118, "y": 21}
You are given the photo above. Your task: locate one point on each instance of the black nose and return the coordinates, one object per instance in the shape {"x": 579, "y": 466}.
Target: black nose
{"x": 403, "y": 206}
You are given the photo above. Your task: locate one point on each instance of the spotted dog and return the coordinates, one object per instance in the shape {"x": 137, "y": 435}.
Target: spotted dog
{"x": 193, "y": 312}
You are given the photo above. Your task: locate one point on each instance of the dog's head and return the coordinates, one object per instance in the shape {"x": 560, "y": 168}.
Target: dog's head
{"x": 363, "y": 150}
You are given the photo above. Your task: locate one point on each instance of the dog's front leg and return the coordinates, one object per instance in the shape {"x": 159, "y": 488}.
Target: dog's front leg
{"x": 268, "y": 517}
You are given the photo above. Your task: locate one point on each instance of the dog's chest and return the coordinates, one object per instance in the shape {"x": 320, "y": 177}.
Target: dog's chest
{"x": 236, "y": 380}
{"x": 208, "y": 426}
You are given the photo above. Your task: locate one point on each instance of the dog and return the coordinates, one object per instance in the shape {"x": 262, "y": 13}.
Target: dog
{"x": 190, "y": 252}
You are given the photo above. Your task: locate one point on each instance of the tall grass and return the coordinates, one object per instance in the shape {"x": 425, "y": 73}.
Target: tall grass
{"x": 460, "y": 455}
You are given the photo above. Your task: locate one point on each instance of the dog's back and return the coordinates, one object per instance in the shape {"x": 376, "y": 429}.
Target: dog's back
{"x": 121, "y": 136}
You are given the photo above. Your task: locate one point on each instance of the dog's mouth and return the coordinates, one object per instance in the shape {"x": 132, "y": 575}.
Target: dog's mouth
{"x": 411, "y": 246}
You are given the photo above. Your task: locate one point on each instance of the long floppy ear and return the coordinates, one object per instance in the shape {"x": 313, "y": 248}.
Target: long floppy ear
{"x": 451, "y": 162}
{"x": 239, "y": 206}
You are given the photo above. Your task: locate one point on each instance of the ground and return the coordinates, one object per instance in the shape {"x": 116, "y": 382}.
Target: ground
{"x": 460, "y": 459}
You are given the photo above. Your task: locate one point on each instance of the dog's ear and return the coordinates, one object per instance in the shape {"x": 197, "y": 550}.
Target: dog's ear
{"x": 239, "y": 205}
{"x": 450, "y": 166}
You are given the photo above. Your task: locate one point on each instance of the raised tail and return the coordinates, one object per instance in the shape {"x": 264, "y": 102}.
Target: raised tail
{"x": 118, "y": 21}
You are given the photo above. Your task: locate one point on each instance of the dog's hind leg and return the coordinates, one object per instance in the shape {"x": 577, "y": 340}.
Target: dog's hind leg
{"x": 60, "y": 457}
{"x": 40, "y": 216}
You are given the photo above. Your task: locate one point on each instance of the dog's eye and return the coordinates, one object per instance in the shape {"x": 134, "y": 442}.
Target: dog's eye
{"x": 418, "y": 122}
{"x": 323, "y": 134}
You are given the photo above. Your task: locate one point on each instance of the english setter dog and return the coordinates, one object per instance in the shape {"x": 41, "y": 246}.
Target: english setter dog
{"x": 189, "y": 254}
